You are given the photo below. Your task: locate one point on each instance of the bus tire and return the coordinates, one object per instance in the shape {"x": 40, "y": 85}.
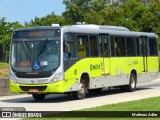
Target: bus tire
{"x": 132, "y": 83}
{"x": 38, "y": 97}
{"x": 81, "y": 93}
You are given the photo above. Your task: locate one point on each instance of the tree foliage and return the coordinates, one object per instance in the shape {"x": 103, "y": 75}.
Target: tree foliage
{"x": 46, "y": 21}
{"x": 6, "y": 29}
{"x": 137, "y": 15}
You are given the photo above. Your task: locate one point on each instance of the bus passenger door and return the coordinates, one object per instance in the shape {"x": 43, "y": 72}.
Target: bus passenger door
{"x": 69, "y": 56}
{"x": 144, "y": 52}
{"x": 104, "y": 52}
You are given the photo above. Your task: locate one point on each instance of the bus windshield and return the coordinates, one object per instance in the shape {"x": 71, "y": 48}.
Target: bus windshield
{"x": 35, "y": 55}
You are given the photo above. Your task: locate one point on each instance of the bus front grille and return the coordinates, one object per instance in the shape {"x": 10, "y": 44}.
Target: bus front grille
{"x": 39, "y": 88}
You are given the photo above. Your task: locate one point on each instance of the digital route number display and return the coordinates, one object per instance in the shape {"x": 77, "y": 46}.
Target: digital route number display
{"x": 36, "y": 33}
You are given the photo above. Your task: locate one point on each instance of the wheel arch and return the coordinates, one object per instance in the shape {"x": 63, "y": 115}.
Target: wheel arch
{"x": 86, "y": 77}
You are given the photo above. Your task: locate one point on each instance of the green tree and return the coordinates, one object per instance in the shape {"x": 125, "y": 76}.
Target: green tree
{"x": 131, "y": 14}
{"x": 46, "y": 21}
{"x": 75, "y": 10}
{"x": 89, "y": 11}
{"x": 155, "y": 10}
{"x": 137, "y": 15}
{"x": 6, "y": 29}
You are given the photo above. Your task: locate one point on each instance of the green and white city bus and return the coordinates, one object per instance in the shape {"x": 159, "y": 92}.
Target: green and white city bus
{"x": 73, "y": 59}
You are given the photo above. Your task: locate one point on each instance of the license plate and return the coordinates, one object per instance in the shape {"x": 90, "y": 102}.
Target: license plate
{"x": 33, "y": 90}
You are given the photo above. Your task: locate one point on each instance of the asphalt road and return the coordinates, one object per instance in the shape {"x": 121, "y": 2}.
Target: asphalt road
{"x": 67, "y": 103}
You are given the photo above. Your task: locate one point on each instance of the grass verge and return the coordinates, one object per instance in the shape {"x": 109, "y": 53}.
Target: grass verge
{"x": 3, "y": 70}
{"x": 150, "y": 104}
{"x": 3, "y": 65}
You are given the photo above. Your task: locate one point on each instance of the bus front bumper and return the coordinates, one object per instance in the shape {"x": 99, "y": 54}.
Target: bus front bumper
{"x": 58, "y": 87}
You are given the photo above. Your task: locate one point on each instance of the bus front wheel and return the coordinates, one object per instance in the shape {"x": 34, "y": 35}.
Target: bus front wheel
{"x": 81, "y": 93}
{"x": 38, "y": 97}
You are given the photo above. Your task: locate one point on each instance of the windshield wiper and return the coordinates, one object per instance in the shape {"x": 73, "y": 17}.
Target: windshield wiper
{"x": 26, "y": 47}
{"x": 46, "y": 40}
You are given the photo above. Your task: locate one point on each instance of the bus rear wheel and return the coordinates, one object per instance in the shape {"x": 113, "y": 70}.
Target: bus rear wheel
{"x": 131, "y": 87}
{"x": 38, "y": 97}
{"x": 132, "y": 83}
{"x": 81, "y": 93}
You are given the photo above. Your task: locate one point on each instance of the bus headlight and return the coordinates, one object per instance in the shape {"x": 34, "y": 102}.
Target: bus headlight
{"x": 56, "y": 78}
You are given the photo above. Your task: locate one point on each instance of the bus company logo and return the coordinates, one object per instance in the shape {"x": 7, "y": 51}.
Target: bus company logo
{"x": 95, "y": 67}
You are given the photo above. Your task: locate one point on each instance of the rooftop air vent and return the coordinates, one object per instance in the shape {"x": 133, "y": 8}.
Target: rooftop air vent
{"x": 55, "y": 25}
{"x": 103, "y": 27}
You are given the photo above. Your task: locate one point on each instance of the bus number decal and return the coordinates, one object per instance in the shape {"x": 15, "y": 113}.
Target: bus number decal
{"x": 42, "y": 80}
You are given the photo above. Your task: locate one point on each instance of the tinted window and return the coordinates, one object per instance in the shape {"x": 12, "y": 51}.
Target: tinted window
{"x": 103, "y": 44}
{"x": 69, "y": 46}
{"x": 93, "y": 46}
{"x": 130, "y": 46}
{"x": 143, "y": 45}
{"x": 120, "y": 46}
{"x": 69, "y": 49}
{"x": 83, "y": 46}
{"x": 100, "y": 45}
{"x": 152, "y": 47}
{"x": 138, "y": 46}
{"x": 112, "y": 46}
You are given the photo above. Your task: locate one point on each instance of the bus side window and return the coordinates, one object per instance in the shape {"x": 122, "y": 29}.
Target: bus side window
{"x": 93, "y": 46}
{"x": 143, "y": 45}
{"x": 69, "y": 51}
{"x": 113, "y": 46}
{"x": 138, "y": 46}
{"x": 153, "y": 50}
{"x": 120, "y": 46}
{"x": 83, "y": 46}
{"x": 69, "y": 47}
{"x": 100, "y": 45}
{"x": 105, "y": 46}
{"x": 131, "y": 50}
